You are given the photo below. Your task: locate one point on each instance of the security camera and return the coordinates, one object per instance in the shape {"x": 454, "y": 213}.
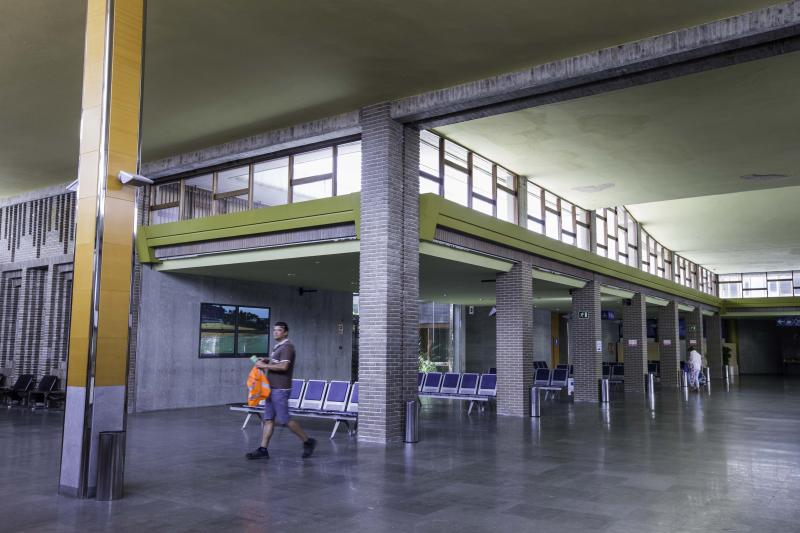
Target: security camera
{"x": 133, "y": 179}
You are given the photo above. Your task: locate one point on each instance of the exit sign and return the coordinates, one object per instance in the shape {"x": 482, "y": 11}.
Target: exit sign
{"x": 583, "y": 314}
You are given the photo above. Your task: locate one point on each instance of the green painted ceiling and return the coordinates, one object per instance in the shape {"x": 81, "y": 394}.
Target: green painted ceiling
{"x": 675, "y": 154}
{"x": 217, "y": 71}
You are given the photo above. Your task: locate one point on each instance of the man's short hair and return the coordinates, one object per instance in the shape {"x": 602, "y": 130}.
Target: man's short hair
{"x": 283, "y": 325}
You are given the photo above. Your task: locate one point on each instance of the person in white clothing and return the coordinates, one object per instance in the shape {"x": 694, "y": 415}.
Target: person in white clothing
{"x": 695, "y": 364}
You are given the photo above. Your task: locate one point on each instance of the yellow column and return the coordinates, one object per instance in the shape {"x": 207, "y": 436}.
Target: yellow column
{"x": 98, "y": 348}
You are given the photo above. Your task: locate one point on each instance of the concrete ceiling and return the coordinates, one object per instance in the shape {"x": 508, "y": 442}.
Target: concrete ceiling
{"x": 216, "y": 71}
{"x": 707, "y": 162}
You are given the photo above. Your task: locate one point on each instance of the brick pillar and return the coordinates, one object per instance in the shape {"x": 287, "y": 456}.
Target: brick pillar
{"x": 634, "y": 330}
{"x": 514, "y": 340}
{"x": 694, "y": 330}
{"x": 714, "y": 345}
{"x": 585, "y": 336}
{"x": 389, "y": 274}
{"x": 669, "y": 345}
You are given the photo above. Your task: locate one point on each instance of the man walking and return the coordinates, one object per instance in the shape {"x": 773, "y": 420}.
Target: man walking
{"x": 280, "y": 366}
{"x": 695, "y": 364}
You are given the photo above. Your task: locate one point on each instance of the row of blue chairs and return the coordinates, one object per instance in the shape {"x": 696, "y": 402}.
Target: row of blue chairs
{"x": 318, "y": 398}
{"x": 470, "y": 386}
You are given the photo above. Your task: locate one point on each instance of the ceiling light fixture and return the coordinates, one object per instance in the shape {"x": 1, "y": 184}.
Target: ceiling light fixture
{"x": 594, "y": 188}
{"x": 763, "y": 177}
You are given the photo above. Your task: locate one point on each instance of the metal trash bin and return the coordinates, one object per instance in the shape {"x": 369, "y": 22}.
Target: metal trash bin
{"x": 604, "y": 390}
{"x": 110, "y": 465}
{"x": 684, "y": 380}
{"x": 412, "y": 422}
{"x": 536, "y": 402}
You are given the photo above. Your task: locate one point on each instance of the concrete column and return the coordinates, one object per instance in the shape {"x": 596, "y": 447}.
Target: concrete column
{"x": 514, "y": 340}
{"x": 694, "y": 329}
{"x": 714, "y": 345}
{"x": 389, "y": 274}
{"x": 669, "y": 345}
{"x": 586, "y": 341}
{"x": 98, "y": 346}
{"x": 634, "y": 331}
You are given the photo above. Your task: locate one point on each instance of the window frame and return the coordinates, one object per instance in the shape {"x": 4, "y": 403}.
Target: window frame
{"x": 235, "y": 354}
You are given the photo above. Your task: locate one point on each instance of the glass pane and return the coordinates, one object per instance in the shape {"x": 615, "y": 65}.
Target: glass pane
{"x": 506, "y": 206}
{"x": 633, "y": 232}
{"x": 253, "y": 344}
{"x": 569, "y": 239}
{"x": 730, "y": 277}
{"x": 271, "y": 183}
{"x": 312, "y": 191}
{"x": 482, "y": 176}
{"x": 600, "y": 231}
{"x": 567, "y": 224}
{"x": 773, "y": 276}
{"x": 780, "y": 288}
{"x": 622, "y": 238}
{"x": 429, "y": 158}
{"x": 551, "y": 225}
{"x": 633, "y": 257}
{"x": 754, "y": 281}
{"x": 538, "y": 227}
{"x": 757, "y": 293}
{"x": 166, "y": 194}
{"x": 162, "y": 216}
{"x": 581, "y": 215}
{"x": 534, "y": 201}
{"x": 316, "y": 163}
{"x": 232, "y": 204}
{"x": 612, "y": 249}
{"x": 797, "y": 279}
{"x": 583, "y": 237}
{"x": 218, "y": 317}
{"x": 482, "y": 206}
{"x": 348, "y": 168}
{"x": 506, "y": 179}
{"x": 252, "y": 319}
{"x": 551, "y": 201}
{"x": 213, "y": 343}
{"x": 611, "y": 221}
{"x": 601, "y": 251}
{"x": 730, "y": 290}
{"x": 455, "y": 185}
{"x": 426, "y": 185}
{"x": 455, "y": 153}
{"x": 197, "y": 197}
{"x": 233, "y": 179}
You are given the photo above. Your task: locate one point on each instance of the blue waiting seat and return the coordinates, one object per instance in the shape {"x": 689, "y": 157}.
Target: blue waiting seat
{"x": 433, "y": 382}
{"x": 314, "y": 395}
{"x": 450, "y": 383}
{"x": 469, "y": 384}
{"x": 488, "y": 385}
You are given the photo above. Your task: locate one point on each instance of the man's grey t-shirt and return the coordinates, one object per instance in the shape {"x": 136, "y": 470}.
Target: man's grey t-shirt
{"x": 283, "y": 351}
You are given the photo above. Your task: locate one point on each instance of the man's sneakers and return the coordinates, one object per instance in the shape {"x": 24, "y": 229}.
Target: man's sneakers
{"x": 259, "y": 453}
{"x": 308, "y": 447}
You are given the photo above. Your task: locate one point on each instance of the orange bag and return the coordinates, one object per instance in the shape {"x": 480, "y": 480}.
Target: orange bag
{"x": 258, "y": 388}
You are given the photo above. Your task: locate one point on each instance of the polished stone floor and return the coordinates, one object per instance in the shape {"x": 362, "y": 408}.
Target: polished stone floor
{"x": 724, "y": 461}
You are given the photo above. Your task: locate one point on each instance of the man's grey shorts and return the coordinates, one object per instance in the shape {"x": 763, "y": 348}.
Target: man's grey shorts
{"x": 276, "y": 407}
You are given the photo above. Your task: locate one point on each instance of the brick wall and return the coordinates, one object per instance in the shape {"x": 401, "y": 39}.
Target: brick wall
{"x": 584, "y": 336}
{"x": 714, "y": 345}
{"x": 389, "y": 274}
{"x": 514, "y": 292}
{"x": 669, "y": 345}
{"x": 634, "y": 330}
{"x": 37, "y": 238}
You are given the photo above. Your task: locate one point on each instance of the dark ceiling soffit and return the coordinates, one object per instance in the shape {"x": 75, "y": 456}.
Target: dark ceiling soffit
{"x": 755, "y": 35}
{"x": 257, "y": 146}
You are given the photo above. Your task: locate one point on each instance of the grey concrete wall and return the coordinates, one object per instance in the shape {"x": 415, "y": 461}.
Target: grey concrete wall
{"x": 169, "y": 371}
{"x": 541, "y": 335}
